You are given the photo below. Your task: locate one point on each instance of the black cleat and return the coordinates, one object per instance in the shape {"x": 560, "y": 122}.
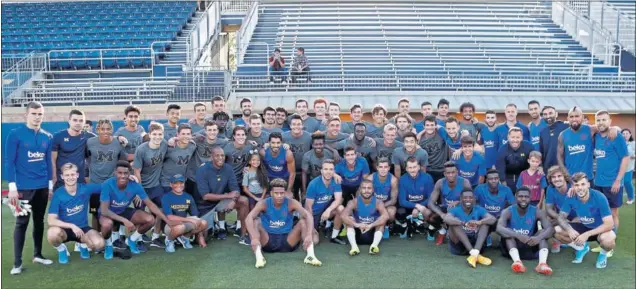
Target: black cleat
{"x": 338, "y": 240}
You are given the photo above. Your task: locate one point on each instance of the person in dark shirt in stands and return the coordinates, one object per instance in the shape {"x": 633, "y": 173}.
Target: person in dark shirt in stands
{"x": 301, "y": 65}
{"x": 512, "y": 158}
{"x": 277, "y": 67}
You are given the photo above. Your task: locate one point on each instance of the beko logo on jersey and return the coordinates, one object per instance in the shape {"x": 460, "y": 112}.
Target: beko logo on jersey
{"x": 415, "y": 198}
{"x": 276, "y": 168}
{"x": 277, "y": 224}
{"x": 381, "y": 197}
{"x": 120, "y": 204}
{"x": 575, "y": 149}
{"x": 599, "y": 153}
{"x": 535, "y": 139}
{"x": 493, "y": 208}
{"x": 366, "y": 220}
{"x": 586, "y": 220}
{"x": 35, "y": 156}
{"x": 324, "y": 198}
{"x": 74, "y": 210}
{"x": 467, "y": 174}
{"x": 522, "y": 231}
{"x": 489, "y": 144}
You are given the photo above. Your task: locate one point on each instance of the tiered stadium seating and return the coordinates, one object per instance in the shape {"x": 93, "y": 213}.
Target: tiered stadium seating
{"x": 628, "y": 7}
{"x": 421, "y": 45}
{"x": 125, "y": 29}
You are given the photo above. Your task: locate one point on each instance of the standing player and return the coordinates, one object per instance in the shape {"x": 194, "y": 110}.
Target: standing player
{"x": 384, "y": 147}
{"x": 313, "y": 159}
{"x": 549, "y": 137}
{"x": 203, "y": 153}
{"x": 279, "y": 162}
{"x": 181, "y": 208}
{"x": 274, "y": 229}
{"x": 414, "y": 191}
{"x": 442, "y": 112}
{"x": 178, "y": 157}
{"x": 356, "y": 117}
{"x": 324, "y": 202}
{"x": 30, "y": 177}
{"x": 536, "y": 125}
{"x": 310, "y": 124}
{"x": 198, "y": 123}
{"x": 596, "y": 222}
{"x": 427, "y": 109}
{"x": 269, "y": 117}
{"x": 468, "y": 122}
{"x": 117, "y": 194}
{"x": 246, "y": 110}
{"x": 488, "y": 138}
{"x": 299, "y": 142}
{"x": 255, "y": 131}
{"x": 511, "y": 122}
{"x": 69, "y": 146}
{"x": 376, "y": 128}
{"x": 353, "y": 169}
{"x": 434, "y": 144}
{"x": 512, "y": 158}
{"x": 363, "y": 145}
{"x": 68, "y": 215}
{"x": 103, "y": 152}
{"x": 385, "y": 187}
{"x": 365, "y": 217}
{"x": 238, "y": 151}
{"x": 468, "y": 226}
{"x": 410, "y": 149}
{"x": 170, "y": 128}
{"x": 149, "y": 158}
{"x": 132, "y": 131}
{"x": 522, "y": 239}
{"x": 333, "y": 134}
{"x": 281, "y": 119}
{"x": 470, "y": 165}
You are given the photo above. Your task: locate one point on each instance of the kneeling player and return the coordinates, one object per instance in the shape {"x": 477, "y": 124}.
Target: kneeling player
{"x": 177, "y": 206}
{"x": 414, "y": 190}
{"x": 275, "y": 230}
{"x": 369, "y": 218}
{"x": 117, "y": 194}
{"x": 468, "y": 226}
{"x": 517, "y": 225}
{"x": 595, "y": 218}
{"x": 324, "y": 202}
{"x": 68, "y": 216}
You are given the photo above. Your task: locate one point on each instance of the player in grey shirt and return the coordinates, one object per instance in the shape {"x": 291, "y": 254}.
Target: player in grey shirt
{"x": 149, "y": 158}
{"x": 299, "y": 142}
{"x": 384, "y": 147}
{"x": 468, "y": 121}
{"x": 178, "y": 157}
{"x": 313, "y": 159}
{"x": 437, "y": 149}
{"x": 170, "y": 128}
{"x": 132, "y": 131}
{"x": 363, "y": 145}
{"x": 237, "y": 152}
{"x": 103, "y": 152}
{"x": 356, "y": 117}
{"x": 410, "y": 149}
{"x": 333, "y": 131}
{"x": 255, "y": 132}
{"x": 203, "y": 153}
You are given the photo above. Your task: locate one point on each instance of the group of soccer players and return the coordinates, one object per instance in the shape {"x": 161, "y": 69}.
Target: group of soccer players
{"x": 291, "y": 177}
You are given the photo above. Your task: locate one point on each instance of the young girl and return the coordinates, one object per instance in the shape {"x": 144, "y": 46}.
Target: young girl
{"x": 255, "y": 180}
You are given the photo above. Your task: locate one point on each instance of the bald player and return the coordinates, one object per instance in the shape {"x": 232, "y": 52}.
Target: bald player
{"x": 366, "y": 218}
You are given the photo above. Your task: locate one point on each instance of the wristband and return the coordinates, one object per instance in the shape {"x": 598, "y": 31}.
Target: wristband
{"x": 50, "y": 185}
{"x": 13, "y": 187}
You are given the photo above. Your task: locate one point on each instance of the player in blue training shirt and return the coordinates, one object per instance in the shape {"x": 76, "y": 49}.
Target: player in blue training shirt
{"x": 555, "y": 197}
{"x": 385, "y": 186}
{"x": 414, "y": 190}
{"x": 181, "y": 208}
{"x": 366, "y": 218}
{"x": 511, "y": 121}
{"x": 279, "y": 162}
{"x": 521, "y": 237}
{"x": 352, "y": 169}
{"x": 595, "y": 222}
{"x": 494, "y": 197}
{"x": 488, "y": 138}
{"x": 471, "y": 164}
{"x": 468, "y": 227}
{"x": 536, "y": 125}
{"x": 324, "y": 202}
{"x": 274, "y": 229}
{"x": 69, "y": 146}
{"x": 117, "y": 194}
{"x": 68, "y": 215}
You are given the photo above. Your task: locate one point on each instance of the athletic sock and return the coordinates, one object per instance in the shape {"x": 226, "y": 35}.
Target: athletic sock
{"x": 83, "y": 246}
{"x": 328, "y": 224}
{"x": 135, "y": 236}
{"x": 377, "y": 237}
{"x": 514, "y": 255}
{"x": 334, "y": 233}
{"x": 122, "y": 231}
{"x": 108, "y": 242}
{"x": 351, "y": 235}
{"x": 442, "y": 231}
{"x": 222, "y": 225}
{"x": 61, "y": 248}
{"x": 258, "y": 253}
{"x": 430, "y": 227}
{"x": 543, "y": 255}
{"x": 115, "y": 235}
{"x": 604, "y": 252}
{"x": 576, "y": 247}
{"x": 474, "y": 252}
{"x": 155, "y": 236}
{"x": 238, "y": 225}
{"x": 310, "y": 250}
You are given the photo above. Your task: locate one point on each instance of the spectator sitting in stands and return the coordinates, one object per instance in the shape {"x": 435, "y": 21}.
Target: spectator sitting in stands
{"x": 277, "y": 66}
{"x": 301, "y": 65}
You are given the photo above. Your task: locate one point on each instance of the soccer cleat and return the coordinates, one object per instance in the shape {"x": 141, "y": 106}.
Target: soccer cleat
{"x": 119, "y": 244}
{"x": 385, "y": 234}
{"x": 77, "y": 247}
{"x": 260, "y": 263}
{"x": 157, "y": 243}
{"x": 472, "y": 261}
{"x": 141, "y": 246}
{"x": 543, "y": 268}
{"x": 338, "y": 240}
{"x": 518, "y": 267}
{"x": 374, "y": 250}
{"x": 245, "y": 240}
{"x": 556, "y": 247}
{"x": 610, "y": 253}
{"x": 221, "y": 234}
{"x": 146, "y": 239}
{"x": 84, "y": 254}
{"x": 489, "y": 241}
{"x": 440, "y": 239}
{"x": 169, "y": 246}
{"x": 313, "y": 261}
{"x": 354, "y": 251}
{"x": 630, "y": 202}
{"x": 132, "y": 245}
{"x": 16, "y": 270}
{"x": 484, "y": 260}
{"x": 601, "y": 261}
{"x": 108, "y": 252}
{"x": 185, "y": 242}
{"x": 596, "y": 250}
{"x": 62, "y": 256}
{"x": 580, "y": 254}
{"x": 43, "y": 261}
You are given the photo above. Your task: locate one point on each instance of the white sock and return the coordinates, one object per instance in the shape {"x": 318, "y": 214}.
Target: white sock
{"x": 310, "y": 250}
{"x": 377, "y": 237}
{"x": 576, "y": 247}
{"x": 543, "y": 255}
{"x": 328, "y": 224}
{"x": 238, "y": 225}
{"x": 603, "y": 251}
{"x": 122, "y": 231}
{"x": 258, "y": 253}
{"x": 442, "y": 231}
{"x": 115, "y": 235}
{"x": 108, "y": 242}
{"x": 61, "y": 248}
{"x": 474, "y": 252}
{"x": 351, "y": 235}
{"x": 334, "y": 233}
{"x": 155, "y": 236}
{"x": 135, "y": 236}
{"x": 514, "y": 255}
{"x": 83, "y": 246}
{"x": 222, "y": 224}
{"x": 430, "y": 227}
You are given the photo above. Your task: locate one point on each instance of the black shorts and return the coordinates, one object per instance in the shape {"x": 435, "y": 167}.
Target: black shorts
{"x": 614, "y": 200}
{"x": 348, "y": 193}
{"x": 70, "y": 236}
{"x": 277, "y": 243}
{"x": 436, "y": 175}
{"x": 458, "y": 248}
{"x": 582, "y": 229}
{"x": 94, "y": 204}
{"x": 525, "y": 252}
{"x": 365, "y": 238}
{"x": 32, "y": 195}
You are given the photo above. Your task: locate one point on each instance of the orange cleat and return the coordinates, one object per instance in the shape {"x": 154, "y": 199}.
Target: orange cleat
{"x": 518, "y": 267}
{"x": 544, "y": 269}
{"x": 439, "y": 240}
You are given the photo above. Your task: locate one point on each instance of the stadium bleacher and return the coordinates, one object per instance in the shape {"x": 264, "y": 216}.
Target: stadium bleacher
{"x": 625, "y": 6}
{"x": 421, "y": 45}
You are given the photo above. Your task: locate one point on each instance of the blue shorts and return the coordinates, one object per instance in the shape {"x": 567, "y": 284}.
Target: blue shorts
{"x": 582, "y": 229}
{"x": 252, "y": 201}
{"x": 525, "y": 252}
{"x": 155, "y": 194}
{"x": 614, "y": 200}
{"x": 277, "y": 243}
{"x": 70, "y": 236}
{"x": 458, "y": 248}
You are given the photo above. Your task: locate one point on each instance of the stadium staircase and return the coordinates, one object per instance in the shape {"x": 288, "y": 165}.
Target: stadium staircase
{"x": 417, "y": 46}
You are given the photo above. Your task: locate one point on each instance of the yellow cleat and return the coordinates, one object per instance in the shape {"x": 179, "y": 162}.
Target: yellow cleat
{"x": 313, "y": 261}
{"x": 374, "y": 250}
{"x": 472, "y": 261}
{"x": 260, "y": 263}
{"x": 598, "y": 250}
{"x": 483, "y": 260}
{"x": 354, "y": 251}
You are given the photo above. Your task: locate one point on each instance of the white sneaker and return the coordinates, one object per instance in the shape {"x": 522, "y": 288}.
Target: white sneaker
{"x": 16, "y": 270}
{"x": 77, "y": 247}
{"x": 42, "y": 261}
{"x": 629, "y": 202}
